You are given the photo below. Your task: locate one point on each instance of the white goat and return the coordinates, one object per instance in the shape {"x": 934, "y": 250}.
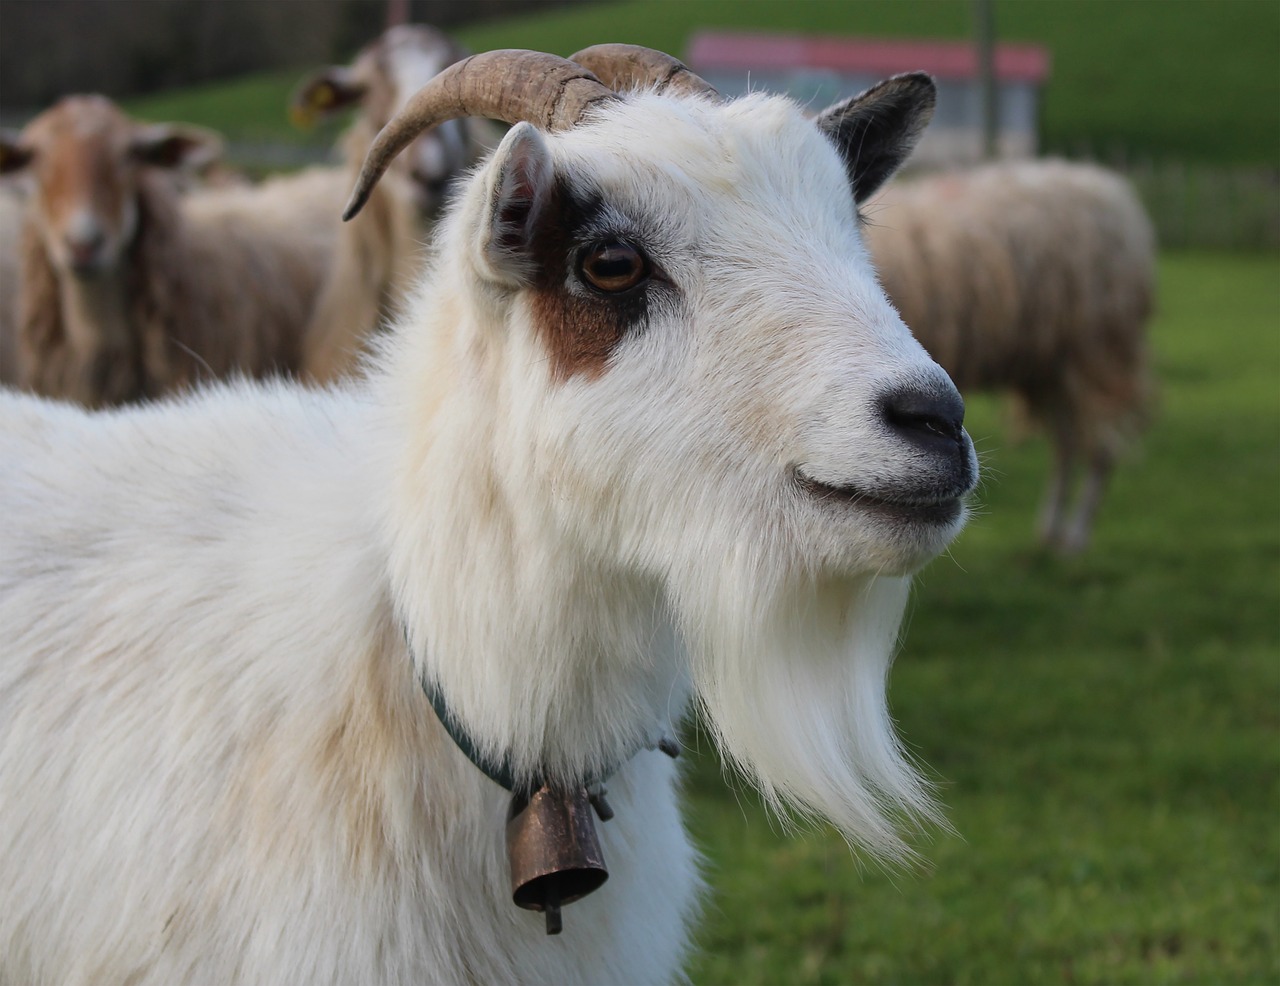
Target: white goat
{"x": 379, "y": 256}
{"x": 1036, "y": 278}
{"x": 130, "y": 289}
{"x": 651, "y": 427}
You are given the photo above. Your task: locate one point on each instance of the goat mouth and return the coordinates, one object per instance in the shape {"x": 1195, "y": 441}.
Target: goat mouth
{"x": 918, "y": 509}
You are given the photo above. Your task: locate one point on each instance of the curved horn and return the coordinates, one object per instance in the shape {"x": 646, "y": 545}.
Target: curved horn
{"x": 509, "y": 84}
{"x": 621, "y": 66}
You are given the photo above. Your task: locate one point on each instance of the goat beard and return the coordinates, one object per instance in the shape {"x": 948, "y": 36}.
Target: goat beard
{"x": 792, "y": 681}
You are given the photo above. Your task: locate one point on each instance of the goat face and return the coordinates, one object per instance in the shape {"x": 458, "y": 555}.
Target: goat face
{"x": 87, "y": 160}
{"x": 671, "y": 371}
{"x": 384, "y": 75}
{"x": 698, "y": 340}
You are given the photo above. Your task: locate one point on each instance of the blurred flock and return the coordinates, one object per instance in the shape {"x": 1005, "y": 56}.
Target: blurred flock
{"x": 1092, "y": 673}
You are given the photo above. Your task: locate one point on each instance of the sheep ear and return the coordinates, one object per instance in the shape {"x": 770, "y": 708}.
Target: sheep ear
{"x": 13, "y": 155}
{"x": 876, "y": 131}
{"x": 171, "y": 145}
{"x": 325, "y": 93}
{"x": 519, "y": 197}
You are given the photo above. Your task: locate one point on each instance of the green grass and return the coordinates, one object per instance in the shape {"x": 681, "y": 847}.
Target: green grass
{"x": 1195, "y": 80}
{"x": 252, "y": 110}
{"x": 1106, "y": 730}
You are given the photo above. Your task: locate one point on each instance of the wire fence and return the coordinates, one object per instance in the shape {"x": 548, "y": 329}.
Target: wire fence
{"x": 1207, "y": 207}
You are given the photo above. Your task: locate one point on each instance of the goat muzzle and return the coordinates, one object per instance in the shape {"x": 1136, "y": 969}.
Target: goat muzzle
{"x": 553, "y": 850}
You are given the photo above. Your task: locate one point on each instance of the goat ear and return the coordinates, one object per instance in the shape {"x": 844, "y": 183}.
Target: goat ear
{"x": 171, "y": 145}
{"x": 876, "y": 131}
{"x": 519, "y": 197}
{"x": 325, "y": 93}
{"x": 13, "y": 155}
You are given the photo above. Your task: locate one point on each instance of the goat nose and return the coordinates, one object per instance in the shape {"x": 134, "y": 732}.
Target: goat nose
{"x": 931, "y": 417}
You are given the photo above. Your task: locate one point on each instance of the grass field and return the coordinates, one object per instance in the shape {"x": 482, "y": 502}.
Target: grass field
{"x": 1105, "y": 730}
{"x": 1195, "y": 80}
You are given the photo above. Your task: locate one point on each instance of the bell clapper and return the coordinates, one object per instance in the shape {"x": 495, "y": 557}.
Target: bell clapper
{"x": 551, "y": 908}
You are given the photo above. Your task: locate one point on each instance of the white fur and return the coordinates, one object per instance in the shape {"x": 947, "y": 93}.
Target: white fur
{"x": 216, "y": 762}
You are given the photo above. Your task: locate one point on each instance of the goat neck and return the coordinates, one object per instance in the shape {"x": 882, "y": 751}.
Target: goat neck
{"x": 542, "y": 652}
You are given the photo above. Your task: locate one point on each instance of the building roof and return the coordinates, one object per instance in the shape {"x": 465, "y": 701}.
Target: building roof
{"x": 712, "y": 50}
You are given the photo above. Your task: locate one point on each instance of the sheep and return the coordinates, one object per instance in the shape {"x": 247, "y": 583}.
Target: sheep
{"x": 130, "y": 289}
{"x": 207, "y": 170}
{"x": 377, "y": 257}
{"x": 648, "y": 430}
{"x": 1035, "y": 277}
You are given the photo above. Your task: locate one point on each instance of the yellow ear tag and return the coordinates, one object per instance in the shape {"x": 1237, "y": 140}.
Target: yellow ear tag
{"x": 323, "y": 96}
{"x": 305, "y": 112}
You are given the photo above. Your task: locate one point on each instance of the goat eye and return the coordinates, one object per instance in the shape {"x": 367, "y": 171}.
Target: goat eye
{"x": 613, "y": 267}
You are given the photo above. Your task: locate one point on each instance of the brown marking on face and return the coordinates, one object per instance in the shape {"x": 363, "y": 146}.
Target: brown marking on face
{"x": 580, "y": 327}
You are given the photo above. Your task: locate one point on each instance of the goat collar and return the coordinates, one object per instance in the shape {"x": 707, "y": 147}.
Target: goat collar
{"x": 501, "y": 773}
{"x": 552, "y": 848}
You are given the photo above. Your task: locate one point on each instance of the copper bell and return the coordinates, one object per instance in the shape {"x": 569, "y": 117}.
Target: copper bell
{"x": 553, "y": 850}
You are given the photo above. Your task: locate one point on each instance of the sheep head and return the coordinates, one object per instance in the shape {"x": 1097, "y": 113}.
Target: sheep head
{"x": 702, "y": 384}
{"x": 86, "y": 160}
{"x": 381, "y": 79}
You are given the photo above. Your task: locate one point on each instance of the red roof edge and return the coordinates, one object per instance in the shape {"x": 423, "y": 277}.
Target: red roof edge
{"x": 710, "y": 50}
